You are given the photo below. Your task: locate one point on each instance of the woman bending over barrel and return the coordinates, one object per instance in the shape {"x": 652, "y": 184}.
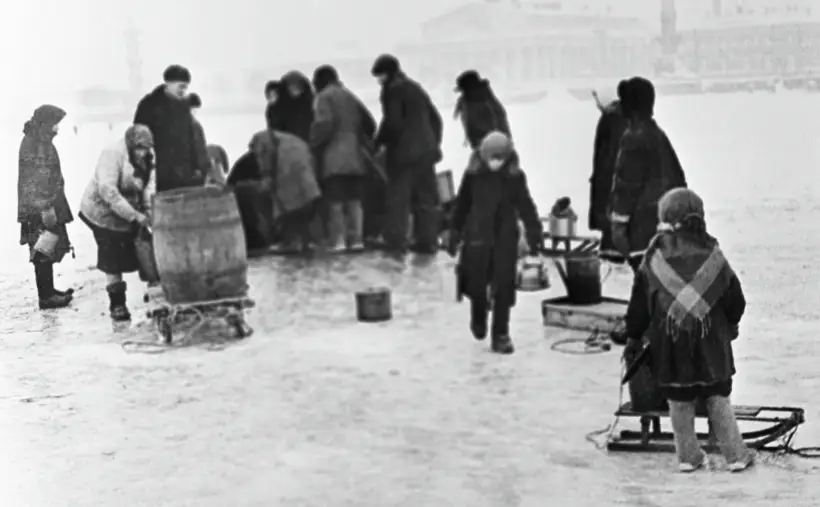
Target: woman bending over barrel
{"x": 493, "y": 196}
{"x": 114, "y": 208}
{"x": 688, "y": 301}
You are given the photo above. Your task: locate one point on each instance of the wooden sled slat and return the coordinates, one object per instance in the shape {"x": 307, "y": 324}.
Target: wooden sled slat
{"x": 651, "y": 438}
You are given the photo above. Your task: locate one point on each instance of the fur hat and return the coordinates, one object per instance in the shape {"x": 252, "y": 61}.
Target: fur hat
{"x": 495, "y": 145}
{"x": 271, "y": 86}
{"x": 386, "y": 64}
{"x": 638, "y": 96}
{"x": 323, "y": 76}
{"x": 138, "y": 136}
{"x": 176, "y": 74}
{"x": 468, "y": 80}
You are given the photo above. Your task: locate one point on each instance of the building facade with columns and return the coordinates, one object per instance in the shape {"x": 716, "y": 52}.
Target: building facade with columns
{"x": 520, "y": 43}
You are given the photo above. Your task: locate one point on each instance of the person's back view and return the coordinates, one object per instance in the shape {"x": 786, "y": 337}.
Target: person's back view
{"x": 410, "y": 133}
{"x": 646, "y": 168}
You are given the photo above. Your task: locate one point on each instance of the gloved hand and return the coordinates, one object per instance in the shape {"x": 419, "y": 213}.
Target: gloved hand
{"x": 49, "y": 218}
{"x": 734, "y": 330}
{"x": 620, "y": 238}
{"x": 453, "y": 242}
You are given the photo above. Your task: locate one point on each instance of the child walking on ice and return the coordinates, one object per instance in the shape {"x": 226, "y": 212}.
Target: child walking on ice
{"x": 492, "y": 198}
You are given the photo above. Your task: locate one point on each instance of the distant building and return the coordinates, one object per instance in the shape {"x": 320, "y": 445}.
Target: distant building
{"x": 753, "y": 38}
{"x": 521, "y": 43}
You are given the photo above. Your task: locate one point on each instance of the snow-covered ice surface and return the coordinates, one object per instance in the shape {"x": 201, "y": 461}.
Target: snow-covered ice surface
{"x": 317, "y": 410}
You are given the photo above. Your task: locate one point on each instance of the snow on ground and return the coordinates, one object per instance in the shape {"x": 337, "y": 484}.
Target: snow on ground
{"x": 316, "y": 409}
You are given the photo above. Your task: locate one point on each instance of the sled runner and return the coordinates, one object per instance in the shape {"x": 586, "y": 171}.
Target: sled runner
{"x": 165, "y": 315}
{"x": 770, "y": 424}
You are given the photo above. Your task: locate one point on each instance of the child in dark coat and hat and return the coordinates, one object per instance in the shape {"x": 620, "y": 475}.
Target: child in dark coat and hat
{"x": 492, "y": 198}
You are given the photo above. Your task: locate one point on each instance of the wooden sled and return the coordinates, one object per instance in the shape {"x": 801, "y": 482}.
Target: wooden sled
{"x": 773, "y": 424}
{"x": 165, "y": 315}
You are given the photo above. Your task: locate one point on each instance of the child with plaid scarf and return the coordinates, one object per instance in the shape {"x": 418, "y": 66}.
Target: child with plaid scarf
{"x": 688, "y": 302}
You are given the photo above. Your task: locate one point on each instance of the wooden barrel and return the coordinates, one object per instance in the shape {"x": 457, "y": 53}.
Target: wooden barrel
{"x": 583, "y": 278}
{"x": 199, "y": 245}
{"x": 374, "y": 305}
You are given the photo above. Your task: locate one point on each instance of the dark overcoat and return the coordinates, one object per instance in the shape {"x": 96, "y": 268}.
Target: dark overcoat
{"x": 488, "y": 209}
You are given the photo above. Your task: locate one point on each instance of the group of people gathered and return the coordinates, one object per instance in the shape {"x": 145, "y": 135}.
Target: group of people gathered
{"x": 325, "y": 172}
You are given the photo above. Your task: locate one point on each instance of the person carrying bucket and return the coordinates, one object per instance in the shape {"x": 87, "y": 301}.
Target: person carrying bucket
{"x": 492, "y": 198}
{"x": 688, "y": 301}
{"x": 42, "y": 207}
{"x": 114, "y": 208}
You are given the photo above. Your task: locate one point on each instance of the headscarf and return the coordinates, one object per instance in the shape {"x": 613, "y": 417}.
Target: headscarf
{"x": 139, "y": 136}
{"x": 42, "y": 122}
{"x": 685, "y": 267}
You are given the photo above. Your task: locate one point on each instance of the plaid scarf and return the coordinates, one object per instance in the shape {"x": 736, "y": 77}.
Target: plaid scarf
{"x": 689, "y": 277}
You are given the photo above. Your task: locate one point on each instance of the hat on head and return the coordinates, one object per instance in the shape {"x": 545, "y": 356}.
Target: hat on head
{"x": 386, "y": 64}
{"x": 469, "y": 79}
{"x": 271, "y": 86}
{"x": 495, "y": 145}
{"x": 138, "y": 136}
{"x": 176, "y": 74}
{"x": 679, "y": 204}
{"x": 638, "y": 96}
{"x": 194, "y": 100}
{"x": 323, "y": 76}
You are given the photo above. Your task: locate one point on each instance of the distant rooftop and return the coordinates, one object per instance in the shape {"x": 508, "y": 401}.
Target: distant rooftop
{"x": 523, "y": 18}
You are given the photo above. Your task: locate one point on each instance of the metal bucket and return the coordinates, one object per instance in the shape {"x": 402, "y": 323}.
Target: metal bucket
{"x": 562, "y": 227}
{"x": 374, "y": 305}
{"x": 46, "y": 243}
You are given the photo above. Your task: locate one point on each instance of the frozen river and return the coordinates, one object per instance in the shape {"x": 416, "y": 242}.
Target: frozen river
{"x": 317, "y": 410}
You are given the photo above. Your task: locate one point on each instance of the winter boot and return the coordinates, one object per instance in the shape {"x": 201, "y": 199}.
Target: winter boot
{"x": 502, "y": 344}
{"x": 478, "y": 321}
{"x": 117, "y": 306}
{"x": 49, "y": 299}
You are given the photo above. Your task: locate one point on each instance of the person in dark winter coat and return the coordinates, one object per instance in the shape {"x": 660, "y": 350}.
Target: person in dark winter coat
{"x": 341, "y": 126}
{"x": 271, "y": 97}
{"x": 181, "y": 157}
{"x": 646, "y": 168}
{"x": 479, "y": 109}
{"x": 115, "y": 207}
{"x": 608, "y": 132}
{"x": 410, "y": 133}
{"x": 688, "y": 302}
{"x": 42, "y": 207}
{"x": 492, "y": 198}
{"x": 292, "y": 111}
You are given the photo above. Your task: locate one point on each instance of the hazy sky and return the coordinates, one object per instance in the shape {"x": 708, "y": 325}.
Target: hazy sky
{"x": 58, "y": 44}
{"x": 61, "y": 45}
